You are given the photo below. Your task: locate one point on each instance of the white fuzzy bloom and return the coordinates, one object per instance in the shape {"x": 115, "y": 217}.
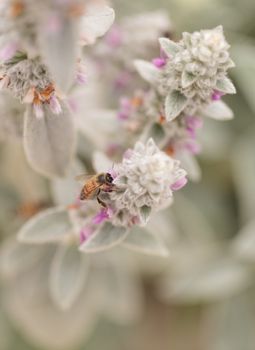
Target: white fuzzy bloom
{"x": 197, "y": 67}
{"x": 145, "y": 180}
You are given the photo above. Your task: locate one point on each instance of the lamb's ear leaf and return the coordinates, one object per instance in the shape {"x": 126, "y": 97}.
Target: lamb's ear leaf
{"x": 105, "y": 238}
{"x": 169, "y": 47}
{"x": 52, "y": 225}
{"x": 174, "y": 104}
{"x": 60, "y": 50}
{"x": 49, "y": 142}
{"x": 16, "y": 257}
{"x": 143, "y": 241}
{"x": 225, "y": 85}
{"x": 147, "y": 70}
{"x": 218, "y": 110}
{"x": 65, "y": 190}
{"x": 96, "y": 23}
{"x": 67, "y": 275}
{"x": 187, "y": 79}
{"x": 145, "y": 212}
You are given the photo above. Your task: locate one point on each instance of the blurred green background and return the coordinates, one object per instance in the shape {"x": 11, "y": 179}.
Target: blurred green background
{"x": 224, "y": 200}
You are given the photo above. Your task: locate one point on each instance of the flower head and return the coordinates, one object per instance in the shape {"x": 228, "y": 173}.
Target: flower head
{"x": 196, "y": 67}
{"x": 144, "y": 181}
{"x": 30, "y": 82}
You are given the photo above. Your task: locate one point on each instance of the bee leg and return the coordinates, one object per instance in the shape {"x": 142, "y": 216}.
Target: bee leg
{"x": 100, "y": 200}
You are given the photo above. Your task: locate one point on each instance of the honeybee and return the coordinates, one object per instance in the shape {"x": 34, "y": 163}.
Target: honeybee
{"x": 94, "y": 184}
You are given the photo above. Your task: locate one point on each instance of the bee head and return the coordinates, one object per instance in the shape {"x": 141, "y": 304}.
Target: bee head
{"x": 109, "y": 178}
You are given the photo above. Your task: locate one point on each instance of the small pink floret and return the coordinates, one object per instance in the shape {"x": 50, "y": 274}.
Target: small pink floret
{"x": 159, "y": 62}
{"x": 193, "y": 147}
{"x": 55, "y": 105}
{"x": 85, "y": 233}
{"x": 114, "y": 37}
{"x": 100, "y": 217}
{"x": 8, "y": 51}
{"x": 179, "y": 184}
{"x": 54, "y": 24}
{"x": 217, "y": 95}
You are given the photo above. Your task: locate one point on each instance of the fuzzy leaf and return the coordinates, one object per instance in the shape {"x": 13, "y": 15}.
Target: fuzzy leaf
{"x": 60, "y": 49}
{"x": 52, "y": 225}
{"x": 244, "y": 73}
{"x": 218, "y": 110}
{"x": 174, "y": 105}
{"x": 96, "y": 22}
{"x": 187, "y": 79}
{"x": 68, "y": 272}
{"x": 50, "y": 141}
{"x": 244, "y": 244}
{"x": 145, "y": 212}
{"x": 168, "y": 46}
{"x": 143, "y": 241}
{"x": 205, "y": 280}
{"x": 191, "y": 165}
{"x": 157, "y": 132}
{"x": 16, "y": 257}
{"x": 66, "y": 190}
{"x": 147, "y": 71}
{"x": 225, "y": 85}
{"x": 107, "y": 237}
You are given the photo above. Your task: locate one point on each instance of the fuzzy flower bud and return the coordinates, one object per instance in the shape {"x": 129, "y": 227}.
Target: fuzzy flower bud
{"x": 197, "y": 66}
{"x": 145, "y": 180}
{"x": 29, "y": 81}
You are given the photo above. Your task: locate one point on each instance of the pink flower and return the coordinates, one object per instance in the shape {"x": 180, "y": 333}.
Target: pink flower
{"x": 8, "y": 51}
{"x": 85, "y": 233}
{"x": 114, "y": 37}
{"x": 122, "y": 80}
{"x": 193, "y": 147}
{"x": 216, "y": 96}
{"x": 159, "y": 62}
{"x": 100, "y": 217}
{"x": 55, "y": 105}
{"x": 179, "y": 184}
{"x": 54, "y": 24}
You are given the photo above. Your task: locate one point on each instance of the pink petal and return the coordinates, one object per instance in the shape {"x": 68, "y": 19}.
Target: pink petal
{"x": 179, "y": 184}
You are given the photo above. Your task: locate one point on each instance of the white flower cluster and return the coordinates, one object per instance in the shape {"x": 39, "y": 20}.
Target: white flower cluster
{"x": 191, "y": 73}
{"x": 145, "y": 182}
{"x": 197, "y": 67}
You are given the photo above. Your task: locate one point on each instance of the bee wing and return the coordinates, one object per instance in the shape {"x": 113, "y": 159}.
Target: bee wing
{"x": 83, "y": 178}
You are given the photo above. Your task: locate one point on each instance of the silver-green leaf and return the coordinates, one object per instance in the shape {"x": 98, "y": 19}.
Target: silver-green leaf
{"x": 169, "y": 47}
{"x": 52, "y": 225}
{"x": 68, "y": 273}
{"x": 49, "y": 142}
{"x": 147, "y": 70}
{"x": 60, "y": 49}
{"x": 225, "y": 85}
{"x": 187, "y": 79}
{"x": 143, "y": 241}
{"x": 218, "y": 110}
{"x": 145, "y": 212}
{"x": 65, "y": 190}
{"x": 174, "y": 105}
{"x": 107, "y": 237}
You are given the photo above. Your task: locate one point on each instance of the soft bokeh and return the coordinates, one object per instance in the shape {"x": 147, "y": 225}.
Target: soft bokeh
{"x": 200, "y": 297}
